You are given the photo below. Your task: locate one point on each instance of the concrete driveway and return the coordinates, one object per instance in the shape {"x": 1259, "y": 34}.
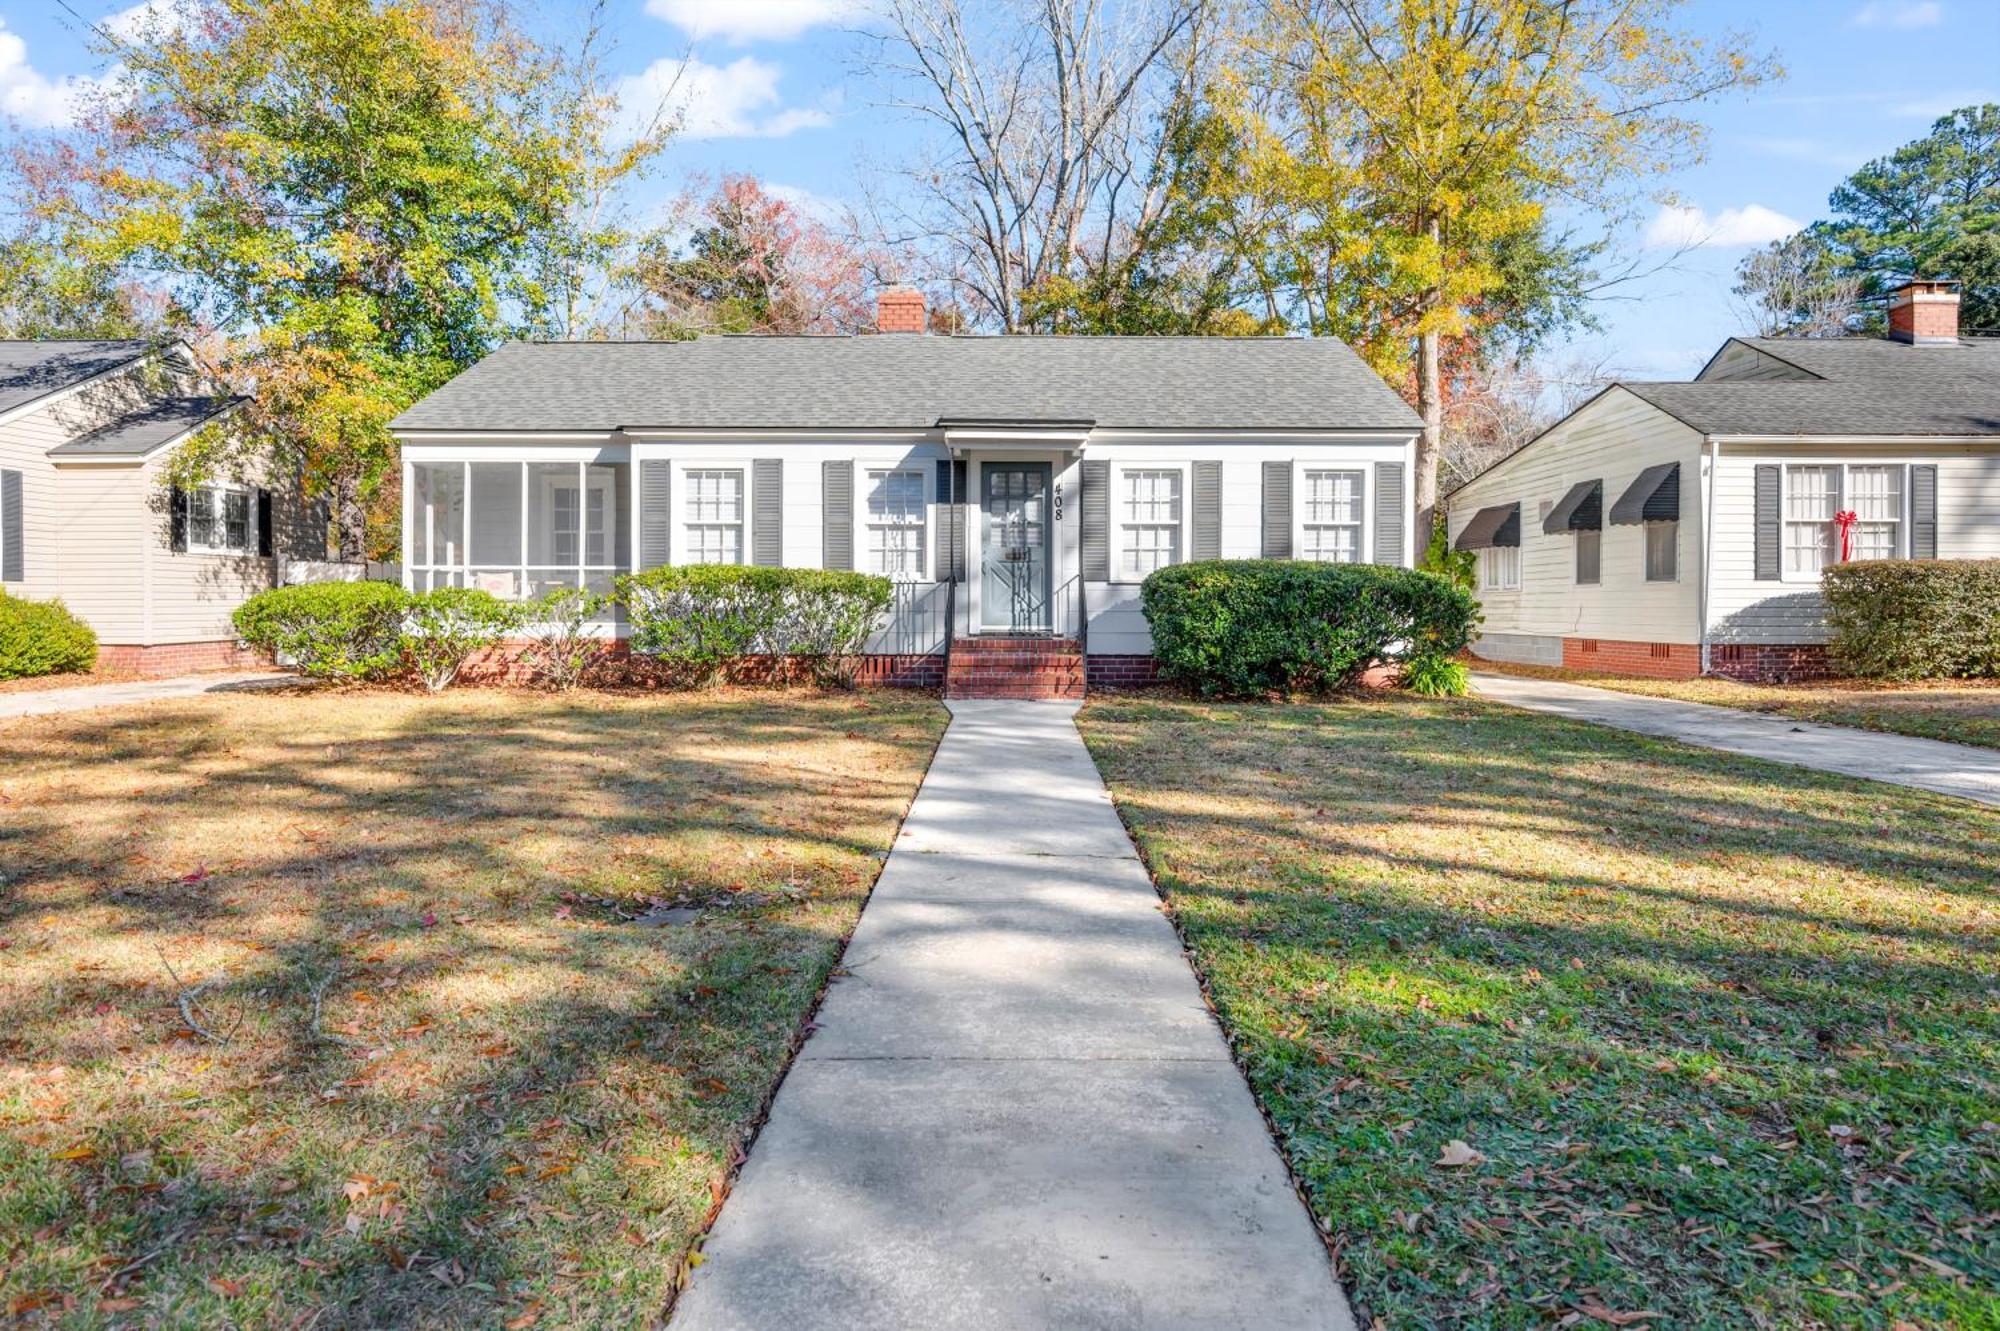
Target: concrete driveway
{"x": 49, "y": 702}
{"x": 1016, "y": 1110}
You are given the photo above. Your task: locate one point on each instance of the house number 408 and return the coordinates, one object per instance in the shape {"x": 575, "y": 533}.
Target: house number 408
{"x": 1057, "y": 498}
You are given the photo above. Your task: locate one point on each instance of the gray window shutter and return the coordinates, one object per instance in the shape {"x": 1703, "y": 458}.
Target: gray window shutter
{"x": 1207, "y": 543}
{"x": 1096, "y": 521}
{"x": 960, "y": 496}
{"x": 177, "y": 520}
{"x": 946, "y": 542}
{"x": 656, "y": 513}
{"x": 1923, "y": 512}
{"x": 837, "y": 514}
{"x": 767, "y": 512}
{"x": 13, "y": 546}
{"x": 264, "y": 544}
{"x": 1277, "y": 510}
{"x": 1391, "y": 527}
{"x": 1769, "y": 528}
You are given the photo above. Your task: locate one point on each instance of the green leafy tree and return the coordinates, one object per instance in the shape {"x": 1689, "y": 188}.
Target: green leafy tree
{"x": 361, "y": 196}
{"x": 1929, "y": 209}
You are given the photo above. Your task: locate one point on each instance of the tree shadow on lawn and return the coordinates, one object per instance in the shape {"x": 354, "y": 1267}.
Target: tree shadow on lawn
{"x": 512, "y": 1105}
{"x": 1723, "y": 1031}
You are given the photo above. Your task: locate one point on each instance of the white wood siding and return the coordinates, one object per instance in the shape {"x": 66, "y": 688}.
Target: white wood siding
{"x": 1612, "y": 439}
{"x": 1744, "y": 610}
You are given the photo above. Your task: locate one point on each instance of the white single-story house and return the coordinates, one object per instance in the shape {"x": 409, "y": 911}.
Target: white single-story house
{"x": 87, "y": 516}
{"x": 1017, "y": 489}
{"x": 1676, "y": 529}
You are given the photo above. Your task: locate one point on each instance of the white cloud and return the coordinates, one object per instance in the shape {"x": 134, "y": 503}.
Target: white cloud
{"x": 816, "y": 206}
{"x": 1933, "y": 105}
{"x": 742, "y": 21}
{"x": 31, "y": 97}
{"x": 1691, "y": 227}
{"x": 1898, "y": 14}
{"x": 134, "y": 22}
{"x": 736, "y": 100}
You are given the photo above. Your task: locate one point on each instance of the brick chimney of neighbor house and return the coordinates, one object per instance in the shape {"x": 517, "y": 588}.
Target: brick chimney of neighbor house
{"x": 1924, "y": 313}
{"x": 899, "y": 310}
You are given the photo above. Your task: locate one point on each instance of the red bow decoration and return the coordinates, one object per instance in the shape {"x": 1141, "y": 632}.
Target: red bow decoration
{"x": 1845, "y": 520}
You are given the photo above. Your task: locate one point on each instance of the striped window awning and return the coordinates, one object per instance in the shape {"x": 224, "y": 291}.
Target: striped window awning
{"x": 1499, "y": 525}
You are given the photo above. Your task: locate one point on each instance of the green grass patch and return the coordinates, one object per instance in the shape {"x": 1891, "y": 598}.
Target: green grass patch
{"x": 454, "y": 1083}
{"x": 1719, "y": 1037}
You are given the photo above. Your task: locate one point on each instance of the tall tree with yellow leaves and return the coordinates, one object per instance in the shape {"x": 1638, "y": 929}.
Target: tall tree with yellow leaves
{"x": 1431, "y": 148}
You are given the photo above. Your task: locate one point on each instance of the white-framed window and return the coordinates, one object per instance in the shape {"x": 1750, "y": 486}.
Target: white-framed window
{"x": 1589, "y": 552}
{"x": 1500, "y": 568}
{"x": 896, "y": 503}
{"x": 1150, "y": 533}
{"x": 714, "y": 515}
{"x": 222, "y": 520}
{"x": 1663, "y": 551}
{"x": 1875, "y": 492}
{"x": 1332, "y": 527}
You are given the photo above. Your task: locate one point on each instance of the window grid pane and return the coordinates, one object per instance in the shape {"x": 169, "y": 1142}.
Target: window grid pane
{"x": 715, "y": 516}
{"x": 1151, "y": 546}
{"x": 896, "y": 502}
{"x": 1663, "y": 551}
{"x": 1152, "y": 521}
{"x": 1876, "y": 496}
{"x": 1811, "y": 496}
{"x": 1332, "y": 528}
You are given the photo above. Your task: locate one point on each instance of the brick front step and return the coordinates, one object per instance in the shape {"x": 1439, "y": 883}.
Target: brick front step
{"x": 1015, "y": 668}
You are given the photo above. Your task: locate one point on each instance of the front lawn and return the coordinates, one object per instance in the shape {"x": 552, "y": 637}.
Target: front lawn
{"x": 439, "y": 1079}
{"x": 1966, "y": 711}
{"x": 1562, "y": 1025}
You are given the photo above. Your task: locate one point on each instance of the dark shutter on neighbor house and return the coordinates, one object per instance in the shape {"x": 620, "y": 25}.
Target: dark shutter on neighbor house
{"x": 1923, "y": 512}
{"x": 1654, "y": 497}
{"x": 1096, "y": 521}
{"x": 1768, "y": 525}
{"x": 656, "y": 513}
{"x": 837, "y": 514}
{"x": 1390, "y": 524}
{"x": 264, "y": 543}
{"x": 177, "y": 520}
{"x": 1277, "y": 510}
{"x": 1499, "y": 525}
{"x": 13, "y": 545}
{"x": 1207, "y": 542}
{"x": 767, "y": 512}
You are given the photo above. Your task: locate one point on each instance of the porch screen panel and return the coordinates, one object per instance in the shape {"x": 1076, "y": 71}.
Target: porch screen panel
{"x": 494, "y": 516}
{"x": 837, "y": 514}
{"x": 767, "y": 500}
{"x": 1389, "y": 519}
{"x": 607, "y": 499}
{"x": 1277, "y": 510}
{"x": 1096, "y": 521}
{"x": 1206, "y": 542}
{"x": 656, "y": 513}
{"x": 1923, "y": 512}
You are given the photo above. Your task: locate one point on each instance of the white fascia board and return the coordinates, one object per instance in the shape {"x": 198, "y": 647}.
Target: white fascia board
{"x": 409, "y": 437}
{"x": 1378, "y": 438}
{"x": 1845, "y": 440}
{"x": 52, "y": 398}
{"x": 665, "y": 436}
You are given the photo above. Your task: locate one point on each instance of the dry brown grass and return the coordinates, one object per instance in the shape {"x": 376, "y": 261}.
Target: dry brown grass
{"x": 516, "y": 1107}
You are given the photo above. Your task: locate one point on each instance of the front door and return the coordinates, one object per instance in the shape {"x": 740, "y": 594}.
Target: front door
{"x": 1014, "y": 547}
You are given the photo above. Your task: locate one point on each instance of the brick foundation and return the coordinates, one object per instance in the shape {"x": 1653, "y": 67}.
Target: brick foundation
{"x": 1759, "y": 663}
{"x": 1122, "y": 672}
{"x": 504, "y": 664}
{"x": 179, "y": 658}
{"x": 1652, "y": 660}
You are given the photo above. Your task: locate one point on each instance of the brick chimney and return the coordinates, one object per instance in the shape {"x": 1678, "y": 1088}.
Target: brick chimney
{"x": 1924, "y": 313}
{"x": 901, "y": 310}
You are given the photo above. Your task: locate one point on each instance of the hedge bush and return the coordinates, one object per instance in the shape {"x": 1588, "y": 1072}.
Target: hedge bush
{"x": 1235, "y": 627}
{"x": 562, "y": 646}
{"x": 1914, "y": 619}
{"x": 700, "y": 620}
{"x": 329, "y": 630}
{"x": 443, "y": 628}
{"x": 42, "y": 638}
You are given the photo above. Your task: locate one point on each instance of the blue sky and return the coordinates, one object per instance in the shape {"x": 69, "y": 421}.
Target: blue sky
{"x": 779, "y": 88}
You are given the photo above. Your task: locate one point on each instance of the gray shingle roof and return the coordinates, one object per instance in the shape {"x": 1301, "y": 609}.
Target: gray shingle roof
{"x": 911, "y": 382}
{"x": 30, "y": 370}
{"x": 139, "y": 432}
{"x": 1867, "y": 386}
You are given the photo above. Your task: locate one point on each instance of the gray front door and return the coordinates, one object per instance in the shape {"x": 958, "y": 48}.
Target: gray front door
{"x": 1014, "y": 547}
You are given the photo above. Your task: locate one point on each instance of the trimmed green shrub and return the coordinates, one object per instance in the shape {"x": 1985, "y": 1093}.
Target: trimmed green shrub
{"x": 561, "y": 648}
{"x": 699, "y": 620}
{"x": 1914, "y": 619}
{"x": 443, "y": 628}
{"x": 1436, "y": 677}
{"x": 1235, "y": 627}
{"x": 42, "y": 638}
{"x": 329, "y": 630}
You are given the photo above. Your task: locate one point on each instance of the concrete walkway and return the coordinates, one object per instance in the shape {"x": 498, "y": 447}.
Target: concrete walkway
{"x": 1016, "y": 1110}
{"x": 48, "y": 702}
{"x": 1949, "y": 769}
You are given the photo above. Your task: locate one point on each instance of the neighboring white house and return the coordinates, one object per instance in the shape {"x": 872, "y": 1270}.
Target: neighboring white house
{"x": 86, "y": 431}
{"x": 1675, "y": 529}
{"x": 1025, "y": 484}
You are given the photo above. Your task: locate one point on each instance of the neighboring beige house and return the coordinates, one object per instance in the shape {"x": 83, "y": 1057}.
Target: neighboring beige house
{"x": 1676, "y": 529}
{"x": 86, "y": 429}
